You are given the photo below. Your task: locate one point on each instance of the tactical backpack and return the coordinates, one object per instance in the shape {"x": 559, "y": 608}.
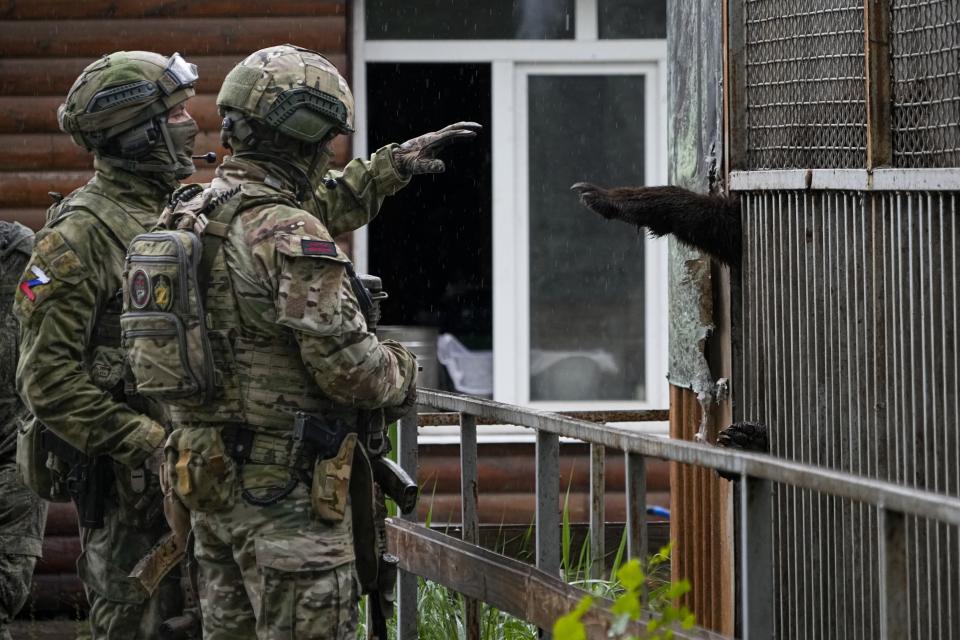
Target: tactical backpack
{"x": 163, "y": 323}
{"x": 165, "y": 281}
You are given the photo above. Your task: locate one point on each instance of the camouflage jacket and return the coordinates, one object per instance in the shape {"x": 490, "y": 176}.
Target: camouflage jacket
{"x": 16, "y": 243}
{"x": 70, "y": 372}
{"x": 301, "y": 341}
{"x": 355, "y": 200}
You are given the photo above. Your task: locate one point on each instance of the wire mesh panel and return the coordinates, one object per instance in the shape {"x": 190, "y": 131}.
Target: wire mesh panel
{"x": 925, "y": 48}
{"x": 850, "y": 356}
{"x": 805, "y": 88}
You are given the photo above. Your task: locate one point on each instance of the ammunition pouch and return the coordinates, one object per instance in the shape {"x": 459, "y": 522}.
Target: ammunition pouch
{"x": 35, "y": 469}
{"x": 331, "y": 482}
{"x": 87, "y": 479}
{"x": 199, "y": 469}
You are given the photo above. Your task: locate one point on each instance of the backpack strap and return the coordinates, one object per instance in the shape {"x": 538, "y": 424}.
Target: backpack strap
{"x": 217, "y": 227}
{"x": 123, "y": 227}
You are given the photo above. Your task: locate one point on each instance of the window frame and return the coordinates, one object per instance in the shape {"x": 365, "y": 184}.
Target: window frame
{"x": 512, "y": 62}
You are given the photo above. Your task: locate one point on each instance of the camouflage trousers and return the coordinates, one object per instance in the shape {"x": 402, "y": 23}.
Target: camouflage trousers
{"x": 118, "y": 608}
{"x": 22, "y": 519}
{"x": 272, "y": 572}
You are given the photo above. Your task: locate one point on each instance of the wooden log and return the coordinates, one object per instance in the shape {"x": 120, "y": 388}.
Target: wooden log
{"x": 28, "y": 114}
{"x": 32, "y": 218}
{"x": 519, "y": 507}
{"x": 514, "y": 471}
{"x": 61, "y": 519}
{"x": 88, "y": 9}
{"x": 60, "y": 554}
{"x": 54, "y": 76}
{"x": 29, "y": 189}
{"x": 43, "y": 151}
{"x": 38, "y": 114}
{"x": 56, "y": 592}
{"x": 192, "y": 36}
{"x": 513, "y": 541}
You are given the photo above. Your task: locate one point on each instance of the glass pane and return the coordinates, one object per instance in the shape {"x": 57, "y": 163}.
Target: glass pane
{"x": 632, "y": 18}
{"x": 586, "y": 275}
{"x": 469, "y": 20}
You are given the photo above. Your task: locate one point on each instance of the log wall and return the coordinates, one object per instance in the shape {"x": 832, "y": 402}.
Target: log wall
{"x": 45, "y": 44}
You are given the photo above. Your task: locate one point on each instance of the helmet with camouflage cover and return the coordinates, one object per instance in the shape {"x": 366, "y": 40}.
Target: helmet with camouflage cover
{"x": 287, "y": 89}
{"x": 117, "y": 109}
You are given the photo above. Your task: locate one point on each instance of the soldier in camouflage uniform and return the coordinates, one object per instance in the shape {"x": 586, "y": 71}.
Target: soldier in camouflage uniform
{"x": 128, "y": 109}
{"x": 22, "y": 514}
{"x": 288, "y": 336}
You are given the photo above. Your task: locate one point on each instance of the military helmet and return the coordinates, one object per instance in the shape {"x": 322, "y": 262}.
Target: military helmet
{"x": 120, "y": 91}
{"x": 289, "y": 89}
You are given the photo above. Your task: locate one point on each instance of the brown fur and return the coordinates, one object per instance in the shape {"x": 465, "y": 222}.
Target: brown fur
{"x": 708, "y": 223}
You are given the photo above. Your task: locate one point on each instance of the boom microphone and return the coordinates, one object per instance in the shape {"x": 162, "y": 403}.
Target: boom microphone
{"x": 210, "y": 157}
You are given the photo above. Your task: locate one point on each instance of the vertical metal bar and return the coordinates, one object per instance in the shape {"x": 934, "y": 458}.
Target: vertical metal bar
{"x": 756, "y": 554}
{"x": 636, "y": 476}
{"x": 878, "y": 77}
{"x": 468, "y": 510}
{"x": 597, "y": 516}
{"x": 893, "y": 577}
{"x": 407, "y": 582}
{"x": 548, "y": 506}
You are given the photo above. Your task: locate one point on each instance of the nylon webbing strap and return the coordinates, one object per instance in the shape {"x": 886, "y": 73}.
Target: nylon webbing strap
{"x": 213, "y": 241}
{"x": 122, "y": 226}
{"x": 220, "y": 224}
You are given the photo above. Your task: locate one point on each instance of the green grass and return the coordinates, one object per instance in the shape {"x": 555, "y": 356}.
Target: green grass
{"x": 440, "y": 611}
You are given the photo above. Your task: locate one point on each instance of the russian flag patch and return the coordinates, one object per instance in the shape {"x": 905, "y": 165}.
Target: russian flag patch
{"x": 27, "y": 285}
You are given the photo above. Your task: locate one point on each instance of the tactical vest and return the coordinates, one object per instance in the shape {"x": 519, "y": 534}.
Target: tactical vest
{"x": 255, "y": 379}
{"x": 122, "y": 227}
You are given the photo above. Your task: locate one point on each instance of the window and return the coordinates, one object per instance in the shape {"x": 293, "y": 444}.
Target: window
{"x": 586, "y": 278}
{"x": 469, "y": 20}
{"x": 577, "y": 307}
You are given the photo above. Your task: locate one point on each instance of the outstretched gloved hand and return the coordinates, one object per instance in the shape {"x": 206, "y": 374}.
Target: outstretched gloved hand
{"x": 419, "y": 155}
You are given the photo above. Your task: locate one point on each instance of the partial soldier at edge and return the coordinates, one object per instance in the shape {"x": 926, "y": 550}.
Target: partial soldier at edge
{"x": 128, "y": 109}
{"x": 22, "y": 514}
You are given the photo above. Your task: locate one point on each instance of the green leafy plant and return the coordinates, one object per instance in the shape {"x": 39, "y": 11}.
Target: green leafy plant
{"x": 638, "y": 592}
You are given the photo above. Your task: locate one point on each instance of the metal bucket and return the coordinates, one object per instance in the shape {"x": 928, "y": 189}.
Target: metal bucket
{"x": 422, "y": 341}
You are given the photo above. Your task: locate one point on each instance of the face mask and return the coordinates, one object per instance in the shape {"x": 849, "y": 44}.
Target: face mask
{"x": 323, "y": 160}
{"x": 183, "y": 135}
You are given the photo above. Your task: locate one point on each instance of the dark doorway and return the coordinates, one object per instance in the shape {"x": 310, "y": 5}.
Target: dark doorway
{"x": 432, "y": 242}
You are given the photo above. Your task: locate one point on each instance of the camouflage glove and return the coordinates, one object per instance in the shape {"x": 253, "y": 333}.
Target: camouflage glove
{"x": 419, "y": 155}
{"x": 392, "y": 414}
{"x": 154, "y": 462}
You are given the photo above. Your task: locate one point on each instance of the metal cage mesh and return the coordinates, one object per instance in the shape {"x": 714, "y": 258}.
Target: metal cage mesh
{"x": 851, "y": 357}
{"x": 805, "y": 93}
{"x": 925, "y": 46}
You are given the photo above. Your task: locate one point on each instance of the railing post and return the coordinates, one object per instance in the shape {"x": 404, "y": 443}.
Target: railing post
{"x": 468, "y": 510}
{"x": 893, "y": 575}
{"x": 636, "y": 506}
{"x": 548, "y": 506}
{"x": 597, "y": 497}
{"x": 756, "y": 558}
{"x": 407, "y": 582}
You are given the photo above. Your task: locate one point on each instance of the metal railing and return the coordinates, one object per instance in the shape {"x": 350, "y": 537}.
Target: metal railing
{"x": 538, "y": 595}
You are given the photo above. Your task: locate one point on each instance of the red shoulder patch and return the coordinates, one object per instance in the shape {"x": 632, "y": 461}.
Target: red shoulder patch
{"x": 318, "y": 247}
